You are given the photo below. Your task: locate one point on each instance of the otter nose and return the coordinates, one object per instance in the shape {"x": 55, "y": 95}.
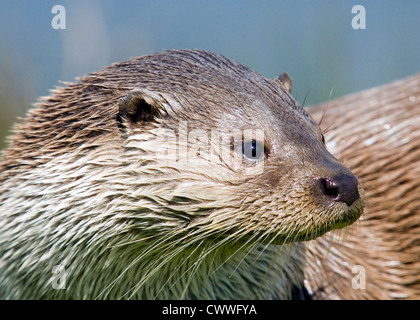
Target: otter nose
{"x": 341, "y": 188}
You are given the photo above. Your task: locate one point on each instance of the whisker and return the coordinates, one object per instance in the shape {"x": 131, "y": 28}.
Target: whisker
{"x": 254, "y": 244}
{"x": 142, "y": 255}
{"x": 156, "y": 267}
{"x": 304, "y": 99}
{"x": 178, "y": 267}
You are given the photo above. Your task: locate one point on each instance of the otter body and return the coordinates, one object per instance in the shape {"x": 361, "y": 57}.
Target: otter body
{"x": 176, "y": 175}
{"x": 377, "y": 134}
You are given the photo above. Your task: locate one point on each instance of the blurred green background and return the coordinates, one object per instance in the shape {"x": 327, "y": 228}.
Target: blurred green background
{"x": 312, "y": 40}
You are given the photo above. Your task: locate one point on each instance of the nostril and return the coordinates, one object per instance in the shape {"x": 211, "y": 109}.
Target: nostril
{"x": 329, "y": 188}
{"x": 342, "y": 188}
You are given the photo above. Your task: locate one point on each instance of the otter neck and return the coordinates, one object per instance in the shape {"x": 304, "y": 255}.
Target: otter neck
{"x": 201, "y": 272}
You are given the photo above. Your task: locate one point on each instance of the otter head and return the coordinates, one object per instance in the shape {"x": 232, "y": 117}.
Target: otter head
{"x": 229, "y": 153}
{"x": 145, "y": 178}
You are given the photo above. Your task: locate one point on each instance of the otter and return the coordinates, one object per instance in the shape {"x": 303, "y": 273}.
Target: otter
{"x": 376, "y": 133}
{"x": 178, "y": 175}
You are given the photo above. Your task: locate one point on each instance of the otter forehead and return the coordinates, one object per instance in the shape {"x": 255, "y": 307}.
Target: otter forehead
{"x": 214, "y": 91}
{"x": 199, "y": 77}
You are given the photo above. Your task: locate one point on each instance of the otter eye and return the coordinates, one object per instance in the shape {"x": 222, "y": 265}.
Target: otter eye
{"x": 323, "y": 138}
{"x": 253, "y": 151}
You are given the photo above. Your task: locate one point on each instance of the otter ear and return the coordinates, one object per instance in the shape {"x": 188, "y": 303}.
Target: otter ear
{"x": 140, "y": 105}
{"x": 286, "y": 81}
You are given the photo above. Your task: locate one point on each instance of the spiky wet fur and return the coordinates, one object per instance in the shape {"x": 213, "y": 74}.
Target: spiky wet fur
{"x": 81, "y": 191}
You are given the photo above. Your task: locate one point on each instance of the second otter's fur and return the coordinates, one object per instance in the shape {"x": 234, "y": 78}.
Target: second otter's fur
{"x": 377, "y": 134}
{"x": 97, "y": 200}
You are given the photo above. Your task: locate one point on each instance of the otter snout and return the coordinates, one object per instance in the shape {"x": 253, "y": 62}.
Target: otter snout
{"x": 340, "y": 188}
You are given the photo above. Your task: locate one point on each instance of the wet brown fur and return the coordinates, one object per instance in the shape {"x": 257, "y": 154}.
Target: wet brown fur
{"x": 376, "y": 133}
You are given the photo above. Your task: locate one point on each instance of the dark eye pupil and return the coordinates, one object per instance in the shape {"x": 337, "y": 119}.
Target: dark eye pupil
{"x": 254, "y": 148}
